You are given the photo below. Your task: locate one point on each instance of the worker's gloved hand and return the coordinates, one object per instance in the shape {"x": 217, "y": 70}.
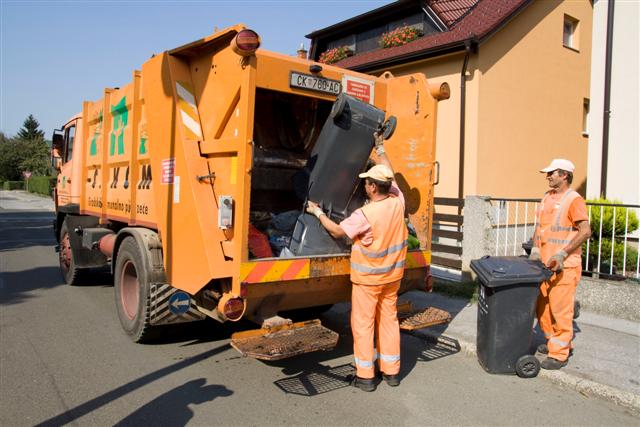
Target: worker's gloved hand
{"x": 556, "y": 262}
{"x": 535, "y": 254}
{"x": 379, "y": 142}
{"x": 314, "y": 209}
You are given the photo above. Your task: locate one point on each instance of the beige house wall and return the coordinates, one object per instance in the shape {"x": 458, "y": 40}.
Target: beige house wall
{"x": 524, "y": 104}
{"x": 531, "y": 100}
{"x": 445, "y": 69}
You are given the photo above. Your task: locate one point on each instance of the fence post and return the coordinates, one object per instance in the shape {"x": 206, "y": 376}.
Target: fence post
{"x": 477, "y": 237}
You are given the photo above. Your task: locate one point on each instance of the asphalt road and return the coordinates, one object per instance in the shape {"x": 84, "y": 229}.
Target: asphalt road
{"x": 65, "y": 360}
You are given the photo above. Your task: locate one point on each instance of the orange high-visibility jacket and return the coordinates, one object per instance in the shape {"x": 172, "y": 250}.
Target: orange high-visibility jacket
{"x": 383, "y": 260}
{"x": 555, "y": 229}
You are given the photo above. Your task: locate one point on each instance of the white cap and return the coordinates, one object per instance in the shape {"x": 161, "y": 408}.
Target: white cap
{"x": 379, "y": 173}
{"x": 562, "y": 164}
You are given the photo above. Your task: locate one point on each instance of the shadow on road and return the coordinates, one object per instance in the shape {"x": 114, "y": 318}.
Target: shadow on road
{"x": 15, "y": 286}
{"x": 172, "y": 407}
{"x": 106, "y": 398}
{"x": 308, "y": 375}
{"x": 25, "y": 229}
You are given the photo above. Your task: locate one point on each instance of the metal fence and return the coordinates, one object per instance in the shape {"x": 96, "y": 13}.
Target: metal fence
{"x": 612, "y": 250}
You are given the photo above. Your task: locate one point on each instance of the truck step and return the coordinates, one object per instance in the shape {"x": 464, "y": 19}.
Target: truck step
{"x": 419, "y": 319}
{"x": 284, "y": 341}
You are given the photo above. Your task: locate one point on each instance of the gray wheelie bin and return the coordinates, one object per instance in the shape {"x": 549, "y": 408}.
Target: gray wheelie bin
{"x": 507, "y": 295}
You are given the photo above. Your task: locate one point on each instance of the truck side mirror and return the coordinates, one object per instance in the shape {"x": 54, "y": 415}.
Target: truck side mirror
{"x": 57, "y": 146}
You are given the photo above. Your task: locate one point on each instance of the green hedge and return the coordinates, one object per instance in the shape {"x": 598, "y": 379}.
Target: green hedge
{"x": 13, "y": 185}
{"x": 607, "y": 219}
{"x": 42, "y": 184}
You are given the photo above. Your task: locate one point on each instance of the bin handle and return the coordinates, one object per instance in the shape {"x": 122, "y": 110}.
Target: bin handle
{"x": 437, "y": 164}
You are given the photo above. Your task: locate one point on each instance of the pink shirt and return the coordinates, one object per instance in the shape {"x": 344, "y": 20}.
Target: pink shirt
{"x": 358, "y": 225}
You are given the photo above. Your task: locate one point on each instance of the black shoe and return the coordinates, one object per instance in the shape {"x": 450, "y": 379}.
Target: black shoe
{"x": 364, "y": 384}
{"x": 542, "y": 348}
{"x": 551, "y": 363}
{"x": 392, "y": 380}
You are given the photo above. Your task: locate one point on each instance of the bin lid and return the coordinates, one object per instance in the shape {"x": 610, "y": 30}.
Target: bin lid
{"x": 509, "y": 270}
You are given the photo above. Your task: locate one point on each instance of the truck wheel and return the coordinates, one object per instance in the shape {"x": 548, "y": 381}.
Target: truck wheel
{"x": 527, "y": 366}
{"x": 132, "y": 291}
{"x": 68, "y": 267}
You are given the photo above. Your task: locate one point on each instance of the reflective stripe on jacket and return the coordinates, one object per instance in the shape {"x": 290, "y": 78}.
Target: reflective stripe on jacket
{"x": 555, "y": 229}
{"x": 383, "y": 260}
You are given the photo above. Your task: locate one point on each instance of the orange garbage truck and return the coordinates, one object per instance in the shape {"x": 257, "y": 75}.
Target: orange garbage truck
{"x": 174, "y": 182}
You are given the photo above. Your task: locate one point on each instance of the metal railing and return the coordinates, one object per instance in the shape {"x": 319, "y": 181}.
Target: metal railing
{"x": 612, "y": 251}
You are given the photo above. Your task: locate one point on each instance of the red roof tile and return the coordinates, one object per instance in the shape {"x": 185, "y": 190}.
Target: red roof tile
{"x": 479, "y": 19}
{"x": 452, "y": 10}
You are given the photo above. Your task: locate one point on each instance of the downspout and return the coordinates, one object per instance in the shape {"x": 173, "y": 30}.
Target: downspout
{"x": 470, "y": 46}
{"x": 607, "y": 102}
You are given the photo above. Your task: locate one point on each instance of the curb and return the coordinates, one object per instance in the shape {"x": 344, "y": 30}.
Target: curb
{"x": 581, "y": 385}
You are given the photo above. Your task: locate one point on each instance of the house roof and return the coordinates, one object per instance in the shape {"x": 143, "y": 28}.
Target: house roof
{"x": 465, "y": 20}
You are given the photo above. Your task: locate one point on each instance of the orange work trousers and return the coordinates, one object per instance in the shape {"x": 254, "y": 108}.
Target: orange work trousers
{"x": 374, "y": 313}
{"x": 555, "y": 311}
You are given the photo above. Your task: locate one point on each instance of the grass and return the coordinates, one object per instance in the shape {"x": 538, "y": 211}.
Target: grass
{"x": 465, "y": 290}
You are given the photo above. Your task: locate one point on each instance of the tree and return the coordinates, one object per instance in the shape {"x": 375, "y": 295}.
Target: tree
{"x": 30, "y": 131}
{"x": 28, "y": 151}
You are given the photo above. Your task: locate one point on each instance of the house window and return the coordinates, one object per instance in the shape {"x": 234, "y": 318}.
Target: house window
{"x": 585, "y": 117}
{"x": 570, "y": 32}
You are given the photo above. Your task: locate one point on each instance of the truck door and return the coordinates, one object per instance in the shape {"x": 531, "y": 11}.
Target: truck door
{"x": 65, "y": 178}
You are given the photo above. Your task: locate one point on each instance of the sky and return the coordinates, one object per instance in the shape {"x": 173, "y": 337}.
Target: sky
{"x": 56, "y": 54}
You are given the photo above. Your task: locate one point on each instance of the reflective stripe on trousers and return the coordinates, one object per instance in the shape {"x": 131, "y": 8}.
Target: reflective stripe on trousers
{"x": 374, "y": 313}
{"x": 555, "y": 311}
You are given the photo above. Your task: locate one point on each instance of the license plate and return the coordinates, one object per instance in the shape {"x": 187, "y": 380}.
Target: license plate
{"x": 319, "y": 84}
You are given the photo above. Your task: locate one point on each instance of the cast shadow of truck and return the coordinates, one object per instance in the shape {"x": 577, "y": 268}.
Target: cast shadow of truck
{"x": 312, "y": 374}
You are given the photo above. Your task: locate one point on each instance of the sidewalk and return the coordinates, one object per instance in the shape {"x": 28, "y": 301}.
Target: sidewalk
{"x": 24, "y": 201}
{"x": 606, "y": 360}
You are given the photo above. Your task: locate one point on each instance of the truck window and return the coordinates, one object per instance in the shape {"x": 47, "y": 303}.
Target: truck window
{"x": 69, "y": 136}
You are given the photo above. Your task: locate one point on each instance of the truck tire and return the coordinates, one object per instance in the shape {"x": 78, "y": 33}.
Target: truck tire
{"x": 132, "y": 291}
{"x": 70, "y": 272}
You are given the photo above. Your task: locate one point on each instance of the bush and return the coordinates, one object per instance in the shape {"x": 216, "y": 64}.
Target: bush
{"x": 13, "y": 185}
{"x": 41, "y": 184}
{"x": 607, "y": 219}
{"x": 605, "y": 255}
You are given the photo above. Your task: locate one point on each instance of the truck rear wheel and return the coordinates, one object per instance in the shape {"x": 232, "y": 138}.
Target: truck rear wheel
{"x": 132, "y": 291}
{"x": 68, "y": 267}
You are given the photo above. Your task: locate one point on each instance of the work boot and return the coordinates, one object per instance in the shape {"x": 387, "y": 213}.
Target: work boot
{"x": 551, "y": 363}
{"x": 542, "y": 348}
{"x": 364, "y": 384}
{"x": 392, "y": 380}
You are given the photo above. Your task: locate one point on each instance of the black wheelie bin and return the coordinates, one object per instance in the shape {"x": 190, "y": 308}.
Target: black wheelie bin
{"x": 340, "y": 154}
{"x": 508, "y": 290}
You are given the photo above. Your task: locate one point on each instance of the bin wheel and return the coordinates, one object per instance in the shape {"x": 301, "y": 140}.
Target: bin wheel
{"x": 338, "y": 107}
{"x": 527, "y": 366}
{"x": 389, "y": 127}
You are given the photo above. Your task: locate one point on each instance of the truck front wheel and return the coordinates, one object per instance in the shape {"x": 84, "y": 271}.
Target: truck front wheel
{"x": 65, "y": 255}
{"x": 132, "y": 291}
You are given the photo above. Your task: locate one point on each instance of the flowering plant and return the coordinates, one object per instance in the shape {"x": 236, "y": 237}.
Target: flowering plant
{"x": 399, "y": 36}
{"x": 336, "y": 54}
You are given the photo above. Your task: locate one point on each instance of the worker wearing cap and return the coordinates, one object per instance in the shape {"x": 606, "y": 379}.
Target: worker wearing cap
{"x": 562, "y": 228}
{"x": 378, "y": 254}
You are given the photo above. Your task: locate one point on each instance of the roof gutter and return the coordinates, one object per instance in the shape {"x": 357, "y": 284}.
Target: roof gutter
{"x": 604, "y": 167}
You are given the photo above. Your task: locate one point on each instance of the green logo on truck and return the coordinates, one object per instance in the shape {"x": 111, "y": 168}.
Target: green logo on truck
{"x": 120, "y": 120}
{"x": 93, "y": 148}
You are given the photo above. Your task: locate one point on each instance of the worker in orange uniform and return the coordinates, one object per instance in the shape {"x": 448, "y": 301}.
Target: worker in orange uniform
{"x": 562, "y": 228}
{"x": 378, "y": 255}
